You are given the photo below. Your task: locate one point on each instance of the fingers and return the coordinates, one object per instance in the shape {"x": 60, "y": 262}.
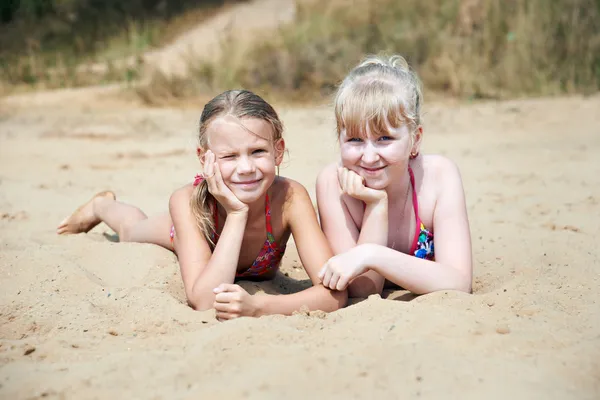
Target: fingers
{"x": 227, "y": 287}
{"x": 225, "y": 316}
{"x": 351, "y": 183}
{"x": 212, "y": 174}
{"x": 342, "y": 283}
{"x": 322, "y": 272}
{"x": 332, "y": 277}
{"x": 333, "y": 281}
{"x": 209, "y": 164}
{"x": 227, "y": 305}
{"x": 218, "y": 177}
{"x": 233, "y": 308}
{"x": 209, "y": 172}
{"x": 327, "y": 277}
{"x": 343, "y": 178}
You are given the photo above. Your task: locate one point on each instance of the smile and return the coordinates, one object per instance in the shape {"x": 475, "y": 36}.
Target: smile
{"x": 372, "y": 171}
{"x": 248, "y": 184}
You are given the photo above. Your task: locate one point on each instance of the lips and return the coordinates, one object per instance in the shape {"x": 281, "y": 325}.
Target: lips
{"x": 372, "y": 170}
{"x": 246, "y": 184}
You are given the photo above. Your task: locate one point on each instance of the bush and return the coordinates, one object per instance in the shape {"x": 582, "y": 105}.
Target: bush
{"x": 468, "y": 48}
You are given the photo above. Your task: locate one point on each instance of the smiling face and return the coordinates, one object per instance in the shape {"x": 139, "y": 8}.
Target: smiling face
{"x": 246, "y": 155}
{"x": 379, "y": 158}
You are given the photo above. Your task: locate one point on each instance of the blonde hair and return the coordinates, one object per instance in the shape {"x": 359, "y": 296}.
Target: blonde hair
{"x": 381, "y": 92}
{"x": 239, "y": 104}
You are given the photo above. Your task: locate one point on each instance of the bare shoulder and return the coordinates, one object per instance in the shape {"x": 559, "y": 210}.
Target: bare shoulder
{"x": 181, "y": 196}
{"x": 286, "y": 191}
{"x": 441, "y": 177}
{"x": 439, "y": 169}
{"x": 328, "y": 175}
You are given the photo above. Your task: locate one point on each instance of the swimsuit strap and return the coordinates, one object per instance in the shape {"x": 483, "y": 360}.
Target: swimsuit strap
{"x": 416, "y": 210}
{"x": 268, "y": 218}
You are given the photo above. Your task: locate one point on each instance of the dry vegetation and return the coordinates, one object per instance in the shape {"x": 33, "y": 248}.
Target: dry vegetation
{"x": 46, "y": 44}
{"x": 467, "y": 48}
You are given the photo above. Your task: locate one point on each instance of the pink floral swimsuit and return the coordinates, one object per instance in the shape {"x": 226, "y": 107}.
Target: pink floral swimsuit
{"x": 270, "y": 256}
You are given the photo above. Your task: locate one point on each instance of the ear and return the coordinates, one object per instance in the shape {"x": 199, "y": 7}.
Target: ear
{"x": 279, "y": 151}
{"x": 416, "y": 141}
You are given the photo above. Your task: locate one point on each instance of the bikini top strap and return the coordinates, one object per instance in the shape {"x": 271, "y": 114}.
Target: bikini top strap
{"x": 414, "y": 195}
{"x": 268, "y": 214}
{"x": 416, "y": 210}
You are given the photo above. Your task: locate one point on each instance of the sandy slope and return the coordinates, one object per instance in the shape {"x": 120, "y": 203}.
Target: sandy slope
{"x": 239, "y": 22}
{"x": 108, "y": 319}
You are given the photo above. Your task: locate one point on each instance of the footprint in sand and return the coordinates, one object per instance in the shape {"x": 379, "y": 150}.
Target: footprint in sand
{"x": 83, "y": 219}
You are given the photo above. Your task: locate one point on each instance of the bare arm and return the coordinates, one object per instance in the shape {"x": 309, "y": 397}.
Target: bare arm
{"x": 314, "y": 252}
{"x": 416, "y": 274}
{"x": 341, "y": 231}
{"x": 452, "y": 269}
{"x": 202, "y": 270}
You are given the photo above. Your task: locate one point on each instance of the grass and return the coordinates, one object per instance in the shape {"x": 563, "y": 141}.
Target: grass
{"x": 465, "y": 48}
{"x": 57, "y": 50}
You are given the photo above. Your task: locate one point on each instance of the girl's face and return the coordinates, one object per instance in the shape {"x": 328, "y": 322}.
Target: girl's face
{"x": 379, "y": 160}
{"x": 246, "y": 155}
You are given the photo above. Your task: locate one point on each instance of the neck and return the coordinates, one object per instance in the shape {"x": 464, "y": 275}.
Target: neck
{"x": 399, "y": 190}
{"x": 256, "y": 209}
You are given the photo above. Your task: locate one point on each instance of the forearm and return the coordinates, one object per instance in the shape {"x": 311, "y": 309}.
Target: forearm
{"x": 415, "y": 274}
{"x": 375, "y": 224}
{"x": 223, "y": 263}
{"x": 314, "y": 298}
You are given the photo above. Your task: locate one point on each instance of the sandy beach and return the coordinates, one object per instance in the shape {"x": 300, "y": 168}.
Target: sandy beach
{"x": 85, "y": 317}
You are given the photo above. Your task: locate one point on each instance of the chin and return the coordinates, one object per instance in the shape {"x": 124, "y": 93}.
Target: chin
{"x": 377, "y": 184}
{"x": 251, "y": 195}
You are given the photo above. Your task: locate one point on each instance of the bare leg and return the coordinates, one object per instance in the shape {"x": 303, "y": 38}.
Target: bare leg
{"x": 128, "y": 221}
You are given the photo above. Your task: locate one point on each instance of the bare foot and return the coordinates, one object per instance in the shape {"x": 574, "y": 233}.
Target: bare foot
{"x": 83, "y": 219}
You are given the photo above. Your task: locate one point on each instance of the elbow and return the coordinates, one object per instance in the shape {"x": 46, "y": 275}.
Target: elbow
{"x": 333, "y": 300}
{"x": 341, "y": 299}
{"x": 460, "y": 284}
{"x": 464, "y": 283}
{"x": 200, "y": 301}
{"x": 199, "y": 305}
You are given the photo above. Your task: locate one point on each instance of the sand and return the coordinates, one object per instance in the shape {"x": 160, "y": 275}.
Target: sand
{"x": 85, "y": 317}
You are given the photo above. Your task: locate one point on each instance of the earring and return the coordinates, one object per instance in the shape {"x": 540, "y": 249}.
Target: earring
{"x": 414, "y": 154}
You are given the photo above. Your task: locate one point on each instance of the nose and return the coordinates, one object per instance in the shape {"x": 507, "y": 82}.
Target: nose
{"x": 245, "y": 166}
{"x": 370, "y": 154}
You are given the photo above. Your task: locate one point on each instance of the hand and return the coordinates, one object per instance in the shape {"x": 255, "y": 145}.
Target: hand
{"x": 232, "y": 301}
{"x": 217, "y": 187}
{"x": 338, "y": 271}
{"x": 353, "y": 185}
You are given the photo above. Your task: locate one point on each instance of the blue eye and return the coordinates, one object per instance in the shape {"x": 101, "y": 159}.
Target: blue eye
{"x": 355, "y": 140}
{"x": 385, "y": 138}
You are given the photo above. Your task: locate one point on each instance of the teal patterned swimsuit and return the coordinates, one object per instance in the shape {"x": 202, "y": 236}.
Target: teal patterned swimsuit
{"x": 422, "y": 246}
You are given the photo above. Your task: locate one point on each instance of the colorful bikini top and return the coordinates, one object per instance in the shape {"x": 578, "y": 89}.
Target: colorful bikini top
{"x": 270, "y": 256}
{"x": 422, "y": 246}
